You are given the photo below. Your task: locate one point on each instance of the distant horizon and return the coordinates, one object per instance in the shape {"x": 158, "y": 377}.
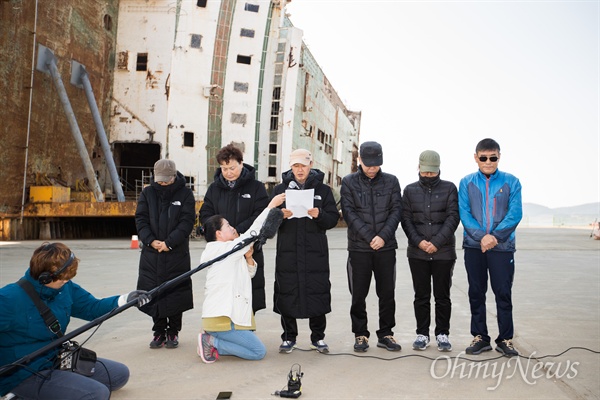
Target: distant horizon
{"x": 442, "y": 75}
{"x": 574, "y": 206}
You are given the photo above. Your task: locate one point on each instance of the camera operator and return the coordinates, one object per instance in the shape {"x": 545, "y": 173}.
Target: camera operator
{"x": 23, "y": 330}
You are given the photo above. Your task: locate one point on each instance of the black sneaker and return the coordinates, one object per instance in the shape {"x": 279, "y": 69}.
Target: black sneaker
{"x": 172, "y": 341}
{"x": 287, "y": 346}
{"x": 361, "y": 343}
{"x": 506, "y": 348}
{"x": 158, "y": 341}
{"x": 320, "y": 346}
{"x": 389, "y": 343}
{"x": 478, "y": 346}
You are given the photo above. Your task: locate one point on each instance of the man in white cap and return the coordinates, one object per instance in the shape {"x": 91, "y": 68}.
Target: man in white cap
{"x": 429, "y": 219}
{"x": 371, "y": 206}
{"x": 164, "y": 218}
{"x": 302, "y": 287}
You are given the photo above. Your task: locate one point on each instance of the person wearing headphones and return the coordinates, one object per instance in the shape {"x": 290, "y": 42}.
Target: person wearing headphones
{"x": 23, "y": 330}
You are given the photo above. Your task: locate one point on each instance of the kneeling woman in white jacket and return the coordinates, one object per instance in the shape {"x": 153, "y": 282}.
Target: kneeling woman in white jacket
{"x": 227, "y": 317}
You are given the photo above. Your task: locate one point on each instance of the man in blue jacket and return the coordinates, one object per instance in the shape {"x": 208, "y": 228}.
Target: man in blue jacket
{"x": 23, "y": 331}
{"x": 490, "y": 210}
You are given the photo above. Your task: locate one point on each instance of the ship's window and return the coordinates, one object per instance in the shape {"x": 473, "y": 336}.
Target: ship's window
{"x": 188, "y": 139}
{"x": 247, "y": 33}
{"x": 195, "y": 41}
{"x": 240, "y": 87}
{"x": 141, "y": 62}
{"x": 244, "y": 59}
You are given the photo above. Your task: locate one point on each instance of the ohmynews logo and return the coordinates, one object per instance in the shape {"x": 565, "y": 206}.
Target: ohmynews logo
{"x": 530, "y": 371}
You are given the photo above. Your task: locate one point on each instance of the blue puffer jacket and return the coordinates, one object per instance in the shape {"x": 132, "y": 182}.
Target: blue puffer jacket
{"x": 23, "y": 331}
{"x": 490, "y": 205}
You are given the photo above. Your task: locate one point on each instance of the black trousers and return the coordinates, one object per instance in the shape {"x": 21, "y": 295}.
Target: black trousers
{"x": 171, "y": 325}
{"x": 317, "y": 328}
{"x": 423, "y": 272}
{"x": 361, "y": 266}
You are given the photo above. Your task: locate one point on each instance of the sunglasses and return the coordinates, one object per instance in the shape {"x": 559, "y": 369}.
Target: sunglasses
{"x": 484, "y": 158}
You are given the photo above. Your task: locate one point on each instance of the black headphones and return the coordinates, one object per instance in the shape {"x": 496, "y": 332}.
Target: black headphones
{"x": 47, "y": 277}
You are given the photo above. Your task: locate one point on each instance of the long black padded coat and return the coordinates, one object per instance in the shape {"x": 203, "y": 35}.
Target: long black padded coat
{"x": 302, "y": 288}
{"x": 240, "y": 206}
{"x": 166, "y": 213}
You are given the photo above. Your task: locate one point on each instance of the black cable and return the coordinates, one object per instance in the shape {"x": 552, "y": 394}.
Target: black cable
{"x": 442, "y": 354}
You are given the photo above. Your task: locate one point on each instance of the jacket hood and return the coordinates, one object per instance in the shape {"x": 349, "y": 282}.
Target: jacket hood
{"x": 248, "y": 174}
{"x": 429, "y": 182}
{"x": 315, "y": 176}
{"x": 172, "y": 188}
{"x": 44, "y": 291}
{"x": 364, "y": 176}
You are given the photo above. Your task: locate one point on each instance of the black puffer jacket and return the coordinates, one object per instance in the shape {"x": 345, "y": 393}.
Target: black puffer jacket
{"x": 371, "y": 207}
{"x": 302, "y": 287}
{"x": 240, "y": 206}
{"x": 166, "y": 213}
{"x": 430, "y": 212}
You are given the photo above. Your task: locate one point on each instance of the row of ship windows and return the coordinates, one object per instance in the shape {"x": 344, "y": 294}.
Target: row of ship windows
{"x": 247, "y": 7}
{"x": 141, "y": 62}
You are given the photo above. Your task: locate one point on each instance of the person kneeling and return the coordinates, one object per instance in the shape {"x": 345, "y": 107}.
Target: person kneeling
{"x": 228, "y": 321}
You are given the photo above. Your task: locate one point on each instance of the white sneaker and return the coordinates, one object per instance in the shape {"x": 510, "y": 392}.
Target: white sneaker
{"x": 421, "y": 342}
{"x": 443, "y": 342}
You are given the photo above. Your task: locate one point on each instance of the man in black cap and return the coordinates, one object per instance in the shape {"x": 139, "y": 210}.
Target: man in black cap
{"x": 371, "y": 206}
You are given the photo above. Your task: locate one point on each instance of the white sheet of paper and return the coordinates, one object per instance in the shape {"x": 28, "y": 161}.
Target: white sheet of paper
{"x": 299, "y": 202}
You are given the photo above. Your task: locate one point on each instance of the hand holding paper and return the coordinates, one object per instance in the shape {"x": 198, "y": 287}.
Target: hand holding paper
{"x": 299, "y": 202}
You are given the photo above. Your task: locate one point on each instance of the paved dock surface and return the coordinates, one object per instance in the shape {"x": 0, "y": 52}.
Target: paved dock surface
{"x": 556, "y": 298}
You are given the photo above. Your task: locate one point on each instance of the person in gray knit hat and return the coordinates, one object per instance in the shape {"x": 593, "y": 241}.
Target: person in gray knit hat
{"x": 164, "y": 218}
{"x": 429, "y": 218}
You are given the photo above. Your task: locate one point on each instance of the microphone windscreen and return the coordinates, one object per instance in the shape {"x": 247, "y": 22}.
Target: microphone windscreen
{"x": 272, "y": 222}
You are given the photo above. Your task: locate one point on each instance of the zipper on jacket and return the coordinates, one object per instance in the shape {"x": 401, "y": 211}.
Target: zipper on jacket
{"x": 373, "y": 208}
{"x": 487, "y": 200}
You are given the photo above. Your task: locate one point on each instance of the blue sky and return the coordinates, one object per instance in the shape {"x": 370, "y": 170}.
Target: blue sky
{"x": 442, "y": 75}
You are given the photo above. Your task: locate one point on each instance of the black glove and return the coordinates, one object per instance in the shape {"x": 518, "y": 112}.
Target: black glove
{"x": 142, "y": 297}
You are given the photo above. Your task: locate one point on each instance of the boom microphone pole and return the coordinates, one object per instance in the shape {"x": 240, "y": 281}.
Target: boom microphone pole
{"x": 76, "y": 332}
{"x": 267, "y": 231}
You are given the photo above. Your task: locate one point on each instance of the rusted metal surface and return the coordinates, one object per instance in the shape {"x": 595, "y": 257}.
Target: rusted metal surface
{"x": 81, "y": 209}
{"x": 75, "y": 30}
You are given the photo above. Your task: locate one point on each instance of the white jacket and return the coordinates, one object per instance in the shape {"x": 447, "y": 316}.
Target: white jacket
{"x": 228, "y": 287}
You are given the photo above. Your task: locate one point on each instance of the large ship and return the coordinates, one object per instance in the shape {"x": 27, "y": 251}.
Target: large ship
{"x": 94, "y": 93}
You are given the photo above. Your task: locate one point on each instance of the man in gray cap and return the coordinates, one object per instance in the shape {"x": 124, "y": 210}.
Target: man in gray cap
{"x": 371, "y": 206}
{"x": 429, "y": 219}
{"x": 164, "y": 218}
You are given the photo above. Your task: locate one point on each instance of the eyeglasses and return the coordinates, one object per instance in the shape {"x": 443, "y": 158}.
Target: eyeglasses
{"x": 484, "y": 158}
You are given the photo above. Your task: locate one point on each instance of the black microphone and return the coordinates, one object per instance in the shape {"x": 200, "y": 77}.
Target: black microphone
{"x": 269, "y": 228}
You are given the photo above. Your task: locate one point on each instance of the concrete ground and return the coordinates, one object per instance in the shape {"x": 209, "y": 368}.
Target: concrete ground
{"x": 556, "y": 300}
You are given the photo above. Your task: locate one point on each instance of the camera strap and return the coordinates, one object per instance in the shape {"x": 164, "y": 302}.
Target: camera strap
{"x": 49, "y": 318}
